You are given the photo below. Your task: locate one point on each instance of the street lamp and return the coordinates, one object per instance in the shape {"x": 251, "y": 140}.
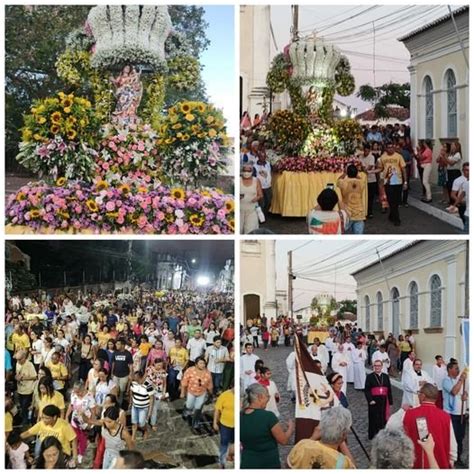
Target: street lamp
{"x": 203, "y": 280}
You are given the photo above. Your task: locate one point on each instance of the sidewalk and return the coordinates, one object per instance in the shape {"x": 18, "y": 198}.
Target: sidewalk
{"x": 435, "y": 208}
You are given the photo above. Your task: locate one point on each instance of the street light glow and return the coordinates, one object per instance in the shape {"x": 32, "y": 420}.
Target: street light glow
{"x": 193, "y": 260}
{"x": 203, "y": 280}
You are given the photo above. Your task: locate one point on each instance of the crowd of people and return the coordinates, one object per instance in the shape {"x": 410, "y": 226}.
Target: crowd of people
{"x": 389, "y": 160}
{"x": 88, "y": 375}
{"x": 426, "y": 430}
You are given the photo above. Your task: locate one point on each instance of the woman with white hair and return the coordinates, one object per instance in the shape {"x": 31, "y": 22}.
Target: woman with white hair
{"x": 393, "y": 449}
{"x": 327, "y": 448}
{"x": 260, "y": 431}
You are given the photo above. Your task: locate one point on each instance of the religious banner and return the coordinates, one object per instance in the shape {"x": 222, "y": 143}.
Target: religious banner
{"x": 313, "y": 392}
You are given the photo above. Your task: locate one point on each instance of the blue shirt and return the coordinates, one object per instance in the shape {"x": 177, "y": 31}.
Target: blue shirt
{"x": 451, "y": 403}
{"x": 8, "y": 361}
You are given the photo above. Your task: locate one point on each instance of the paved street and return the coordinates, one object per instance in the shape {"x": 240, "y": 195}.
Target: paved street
{"x": 414, "y": 221}
{"x": 275, "y": 360}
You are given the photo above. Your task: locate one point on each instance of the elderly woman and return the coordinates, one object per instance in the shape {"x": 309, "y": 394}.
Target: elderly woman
{"x": 327, "y": 448}
{"x": 250, "y": 193}
{"x": 260, "y": 431}
{"x": 393, "y": 449}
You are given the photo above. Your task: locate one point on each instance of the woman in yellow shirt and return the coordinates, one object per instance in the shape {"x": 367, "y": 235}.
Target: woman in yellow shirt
{"x": 144, "y": 348}
{"x": 224, "y": 423}
{"x": 48, "y": 396}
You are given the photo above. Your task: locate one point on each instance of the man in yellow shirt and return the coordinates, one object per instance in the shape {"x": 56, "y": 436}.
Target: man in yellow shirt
{"x": 391, "y": 165}
{"x": 52, "y": 425}
{"x": 178, "y": 359}
{"x": 20, "y": 339}
{"x": 25, "y": 375}
{"x": 59, "y": 372}
{"x": 224, "y": 423}
{"x": 352, "y": 191}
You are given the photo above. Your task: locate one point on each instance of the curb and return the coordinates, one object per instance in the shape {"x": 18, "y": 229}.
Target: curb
{"x": 435, "y": 212}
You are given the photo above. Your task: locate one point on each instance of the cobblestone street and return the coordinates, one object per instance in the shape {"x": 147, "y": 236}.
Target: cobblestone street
{"x": 275, "y": 359}
{"x": 174, "y": 445}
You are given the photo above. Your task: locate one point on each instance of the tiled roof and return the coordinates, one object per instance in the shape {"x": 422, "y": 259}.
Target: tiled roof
{"x": 400, "y": 113}
{"x": 434, "y": 23}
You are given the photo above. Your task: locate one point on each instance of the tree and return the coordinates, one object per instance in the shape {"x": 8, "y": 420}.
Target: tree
{"x": 347, "y": 306}
{"x": 383, "y": 96}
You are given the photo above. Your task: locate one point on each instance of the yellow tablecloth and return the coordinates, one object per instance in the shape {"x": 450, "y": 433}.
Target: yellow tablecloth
{"x": 312, "y": 335}
{"x": 294, "y": 194}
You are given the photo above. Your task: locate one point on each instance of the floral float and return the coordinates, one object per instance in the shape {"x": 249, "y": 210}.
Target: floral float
{"x": 111, "y": 160}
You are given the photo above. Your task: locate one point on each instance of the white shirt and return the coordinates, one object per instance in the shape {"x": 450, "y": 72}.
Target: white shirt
{"x": 465, "y": 189}
{"x": 439, "y": 374}
{"x": 321, "y": 354}
{"x": 368, "y": 161}
{"x": 38, "y": 347}
{"x": 247, "y": 363}
{"x": 457, "y": 161}
{"x": 382, "y": 356}
{"x": 196, "y": 348}
{"x": 212, "y": 355}
{"x": 329, "y": 343}
{"x": 457, "y": 183}
{"x": 272, "y": 403}
{"x": 264, "y": 174}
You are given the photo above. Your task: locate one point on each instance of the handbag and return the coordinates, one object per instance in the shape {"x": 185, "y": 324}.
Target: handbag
{"x": 260, "y": 214}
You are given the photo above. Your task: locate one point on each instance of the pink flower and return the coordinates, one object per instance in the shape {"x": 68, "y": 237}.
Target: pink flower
{"x": 141, "y": 146}
{"x": 110, "y": 206}
{"x": 105, "y": 166}
{"x": 112, "y": 145}
{"x": 142, "y": 221}
{"x": 179, "y": 222}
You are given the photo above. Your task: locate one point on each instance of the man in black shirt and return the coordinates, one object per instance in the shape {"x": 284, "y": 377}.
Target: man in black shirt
{"x": 122, "y": 364}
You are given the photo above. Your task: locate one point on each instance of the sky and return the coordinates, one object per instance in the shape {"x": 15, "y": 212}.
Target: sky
{"x": 329, "y": 262}
{"x": 219, "y": 71}
{"x": 355, "y": 36}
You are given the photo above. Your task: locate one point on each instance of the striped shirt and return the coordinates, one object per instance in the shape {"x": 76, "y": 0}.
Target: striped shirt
{"x": 141, "y": 394}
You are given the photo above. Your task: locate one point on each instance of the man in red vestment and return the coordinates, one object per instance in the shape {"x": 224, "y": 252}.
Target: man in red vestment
{"x": 439, "y": 426}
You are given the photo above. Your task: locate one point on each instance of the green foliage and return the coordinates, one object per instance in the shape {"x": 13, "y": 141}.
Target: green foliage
{"x": 21, "y": 278}
{"x": 383, "y": 96}
{"x": 347, "y": 306}
{"x": 278, "y": 76}
{"x": 34, "y": 36}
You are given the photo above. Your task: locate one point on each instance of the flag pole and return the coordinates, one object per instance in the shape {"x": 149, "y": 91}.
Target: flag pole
{"x": 360, "y": 443}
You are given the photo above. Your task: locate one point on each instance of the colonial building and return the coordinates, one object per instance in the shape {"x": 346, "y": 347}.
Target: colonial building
{"x": 257, "y": 279}
{"x": 255, "y": 55}
{"x": 419, "y": 288}
{"x": 439, "y": 79}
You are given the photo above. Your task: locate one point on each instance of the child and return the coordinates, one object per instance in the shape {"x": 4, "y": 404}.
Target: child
{"x": 264, "y": 380}
{"x": 265, "y": 337}
{"x": 17, "y": 451}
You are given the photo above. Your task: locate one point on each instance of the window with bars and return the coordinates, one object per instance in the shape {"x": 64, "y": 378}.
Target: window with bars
{"x": 428, "y": 107}
{"x": 379, "y": 312}
{"x": 413, "y": 291}
{"x": 367, "y": 314}
{"x": 452, "y": 104}
{"x": 435, "y": 301}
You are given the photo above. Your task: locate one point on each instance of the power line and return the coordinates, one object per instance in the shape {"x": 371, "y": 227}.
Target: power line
{"x": 371, "y": 8}
{"x": 301, "y": 246}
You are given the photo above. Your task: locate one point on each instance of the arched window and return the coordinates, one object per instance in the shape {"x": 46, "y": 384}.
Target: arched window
{"x": 452, "y": 104}
{"x": 413, "y": 291}
{"x": 379, "y": 311}
{"x": 428, "y": 86}
{"x": 395, "y": 312}
{"x": 367, "y": 313}
{"x": 435, "y": 301}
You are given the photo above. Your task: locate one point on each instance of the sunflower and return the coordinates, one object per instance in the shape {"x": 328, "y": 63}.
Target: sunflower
{"x": 205, "y": 194}
{"x": 232, "y": 224}
{"x": 168, "y": 141}
{"x": 71, "y": 120}
{"x": 61, "y": 182}
{"x": 34, "y": 214}
{"x": 169, "y": 218}
{"x": 101, "y": 185}
{"x": 112, "y": 215}
{"x": 189, "y": 117}
{"x": 196, "y": 220}
{"x": 20, "y": 196}
{"x": 38, "y": 137}
{"x": 124, "y": 189}
{"x": 56, "y": 117}
{"x": 64, "y": 214}
{"x": 178, "y": 193}
{"x": 229, "y": 205}
{"x": 66, "y": 103}
{"x": 71, "y": 134}
{"x": 92, "y": 205}
{"x": 176, "y": 126}
{"x": 210, "y": 119}
{"x": 185, "y": 137}
{"x": 55, "y": 129}
{"x": 41, "y": 120}
{"x": 201, "y": 107}
{"x": 142, "y": 189}
{"x": 212, "y": 133}
{"x": 67, "y": 110}
{"x": 185, "y": 108}
{"x": 26, "y": 135}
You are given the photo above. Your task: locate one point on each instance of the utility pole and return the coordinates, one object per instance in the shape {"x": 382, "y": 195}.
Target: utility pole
{"x": 373, "y": 52}
{"x": 294, "y": 29}
{"x": 290, "y": 284}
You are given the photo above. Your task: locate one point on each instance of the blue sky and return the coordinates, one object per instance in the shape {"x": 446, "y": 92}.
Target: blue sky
{"x": 219, "y": 60}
